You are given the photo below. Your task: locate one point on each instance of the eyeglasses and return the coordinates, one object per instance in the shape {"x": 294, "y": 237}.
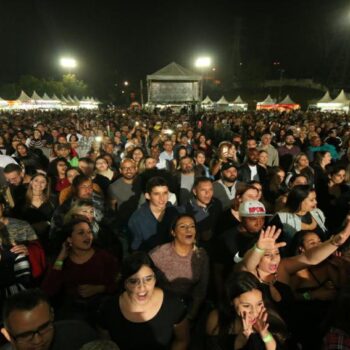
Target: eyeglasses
{"x": 147, "y": 280}
{"x": 27, "y": 337}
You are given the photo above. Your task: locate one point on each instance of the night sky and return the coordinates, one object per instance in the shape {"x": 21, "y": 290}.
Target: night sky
{"x": 116, "y": 40}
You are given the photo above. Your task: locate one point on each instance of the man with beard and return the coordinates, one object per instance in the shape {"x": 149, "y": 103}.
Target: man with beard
{"x": 251, "y": 170}
{"x": 231, "y": 246}
{"x": 225, "y": 188}
{"x": 287, "y": 152}
{"x": 122, "y": 190}
{"x": 17, "y": 187}
{"x": 185, "y": 179}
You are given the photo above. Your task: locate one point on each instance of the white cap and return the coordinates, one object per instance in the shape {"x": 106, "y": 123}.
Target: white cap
{"x": 252, "y": 209}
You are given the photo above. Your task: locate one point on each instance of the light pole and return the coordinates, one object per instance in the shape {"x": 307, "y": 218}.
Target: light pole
{"x": 68, "y": 63}
{"x": 280, "y": 87}
{"x": 202, "y": 63}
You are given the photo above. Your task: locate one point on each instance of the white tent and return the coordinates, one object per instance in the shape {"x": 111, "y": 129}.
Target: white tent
{"x": 3, "y": 104}
{"x": 238, "y": 104}
{"x": 222, "y": 104}
{"x": 24, "y": 98}
{"x": 23, "y": 102}
{"x": 222, "y": 101}
{"x": 341, "y": 98}
{"x": 51, "y": 103}
{"x": 46, "y": 97}
{"x": 207, "y": 101}
{"x": 287, "y": 104}
{"x": 339, "y": 104}
{"x": 88, "y": 103}
{"x": 36, "y": 97}
{"x": 268, "y": 101}
{"x": 326, "y": 98}
{"x": 287, "y": 101}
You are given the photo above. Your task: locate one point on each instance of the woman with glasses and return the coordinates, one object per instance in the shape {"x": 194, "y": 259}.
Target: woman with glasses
{"x": 144, "y": 316}
{"x": 185, "y": 267}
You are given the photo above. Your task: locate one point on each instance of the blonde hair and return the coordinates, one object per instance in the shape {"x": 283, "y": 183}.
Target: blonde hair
{"x": 76, "y": 207}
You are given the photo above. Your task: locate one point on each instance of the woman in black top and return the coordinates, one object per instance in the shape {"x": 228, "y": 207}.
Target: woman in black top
{"x": 322, "y": 160}
{"x": 243, "y": 320}
{"x": 275, "y": 274}
{"x": 144, "y": 316}
{"x": 39, "y": 206}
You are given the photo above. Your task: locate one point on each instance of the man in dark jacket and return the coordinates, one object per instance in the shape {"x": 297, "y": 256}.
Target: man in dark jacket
{"x": 251, "y": 170}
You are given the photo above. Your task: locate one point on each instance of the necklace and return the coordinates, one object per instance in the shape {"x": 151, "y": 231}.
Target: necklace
{"x": 270, "y": 283}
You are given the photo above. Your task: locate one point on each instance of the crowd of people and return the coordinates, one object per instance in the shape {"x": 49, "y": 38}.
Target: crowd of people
{"x": 123, "y": 229}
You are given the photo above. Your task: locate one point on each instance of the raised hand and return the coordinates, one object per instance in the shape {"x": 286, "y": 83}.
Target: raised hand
{"x": 342, "y": 236}
{"x": 64, "y": 251}
{"x": 261, "y": 326}
{"x": 247, "y": 327}
{"x": 268, "y": 237}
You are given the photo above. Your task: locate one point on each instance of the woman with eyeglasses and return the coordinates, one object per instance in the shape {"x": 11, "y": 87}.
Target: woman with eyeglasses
{"x": 184, "y": 266}
{"x": 144, "y": 316}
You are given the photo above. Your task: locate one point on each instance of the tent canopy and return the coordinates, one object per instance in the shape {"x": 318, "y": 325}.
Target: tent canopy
{"x": 239, "y": 100}
{"x": 46, "y": 97}
{"x": 287, "y": 101}
{"x": 36, "y": 97}
{"x": 326, "y": 98}
{"x": 207, "y": 101}
{"x": 23, "y": 97}
{"x": 222, "y": 101}
{"x": 55, "y": 98}
{"x": 341, "y": 98}
{"x": 268, "y": 101}
{"x": 174, "y": 71}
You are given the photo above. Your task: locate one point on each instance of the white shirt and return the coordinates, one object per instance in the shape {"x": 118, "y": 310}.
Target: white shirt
{"x": 253, "y": 172}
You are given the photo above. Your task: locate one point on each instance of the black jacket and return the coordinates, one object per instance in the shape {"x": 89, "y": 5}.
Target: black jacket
{"x": 244, "y": 173}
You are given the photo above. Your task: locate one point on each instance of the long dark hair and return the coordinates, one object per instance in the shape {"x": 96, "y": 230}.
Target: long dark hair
{"x": 295, "y": 197}
{"x": 298, "y": 239}
{"x": 236, "y": 285}
{"x": 52, "y": 171}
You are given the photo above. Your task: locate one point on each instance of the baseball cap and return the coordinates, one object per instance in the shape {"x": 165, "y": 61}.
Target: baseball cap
{"x": 252, "y": 209}
{"x": 229, "y": 165}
